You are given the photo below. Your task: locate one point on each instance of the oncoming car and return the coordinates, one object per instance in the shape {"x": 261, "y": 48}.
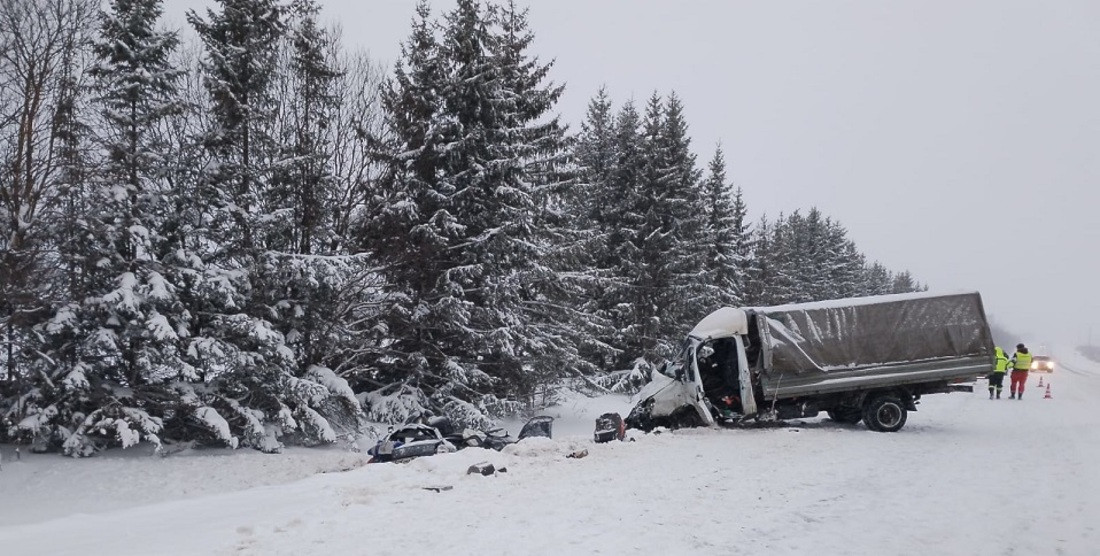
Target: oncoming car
{"x": 1042, "y": 364}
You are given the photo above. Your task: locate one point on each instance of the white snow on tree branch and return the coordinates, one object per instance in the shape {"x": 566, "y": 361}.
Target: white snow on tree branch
{"x": 216, "y": 424}
{"x": 315, "y": 425}
{"x": 336, "y": 385}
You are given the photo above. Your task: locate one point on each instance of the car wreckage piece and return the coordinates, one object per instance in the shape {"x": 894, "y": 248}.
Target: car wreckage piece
{"x": 438, "y": 436}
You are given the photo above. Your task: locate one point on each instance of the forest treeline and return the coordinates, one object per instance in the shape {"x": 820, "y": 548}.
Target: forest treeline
{"x": 265, "y": 238}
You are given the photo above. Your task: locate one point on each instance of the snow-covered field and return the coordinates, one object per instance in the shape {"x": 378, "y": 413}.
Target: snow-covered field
{"x": 965, "y": 476}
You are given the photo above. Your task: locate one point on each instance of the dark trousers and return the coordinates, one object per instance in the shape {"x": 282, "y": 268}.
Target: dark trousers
{"x": 996, "y": 380}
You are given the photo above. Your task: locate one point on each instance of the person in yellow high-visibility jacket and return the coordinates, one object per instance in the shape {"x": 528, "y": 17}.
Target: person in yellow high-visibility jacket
{"x": 1021, "y": 364}
{"x": 997, "y": 377}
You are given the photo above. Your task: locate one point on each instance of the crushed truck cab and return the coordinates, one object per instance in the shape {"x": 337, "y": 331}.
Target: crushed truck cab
{"x": 864, "y": 359}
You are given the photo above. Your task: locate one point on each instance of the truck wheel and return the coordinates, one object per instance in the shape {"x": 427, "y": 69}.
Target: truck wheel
{"x": 848, "y": 416}
{"x": 885, "y": 413}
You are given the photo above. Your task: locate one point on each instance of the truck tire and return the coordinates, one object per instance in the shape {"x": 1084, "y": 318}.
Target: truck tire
{"x": 884, "y": 413}
{"x": 846, "y": 415}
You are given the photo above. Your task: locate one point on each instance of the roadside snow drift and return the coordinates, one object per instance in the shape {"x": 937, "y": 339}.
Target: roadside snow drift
{"x": 967, "y": 475}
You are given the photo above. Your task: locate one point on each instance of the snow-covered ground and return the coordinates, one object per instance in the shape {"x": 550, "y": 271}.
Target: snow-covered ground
{"x": 965, "y": 476}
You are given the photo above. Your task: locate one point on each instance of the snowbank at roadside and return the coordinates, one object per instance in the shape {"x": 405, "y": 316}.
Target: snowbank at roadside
{"x": 38, "y": 487}
{"x": 967, "y": 475}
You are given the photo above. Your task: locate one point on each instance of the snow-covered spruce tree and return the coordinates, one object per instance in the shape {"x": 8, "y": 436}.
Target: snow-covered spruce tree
{"x": 251, "y": 379}
{"x": 127, "y": 324}
{"x": 493, "y": 210}
{"x": 238, "y": 69}
{"x": 652, "y": 242}
{"x": 843, "y": 263}
{"x": 846, "y": 269}
{"x": 776, "y": 249}
{"x": 559, "y": 327}
{"x": 595, "y": 156}
{"x": 406, "y": 228}
{"x": 239, "y": 354}
{"x": 810, "y": 258}
{"x": 462, "y": 227}
{"x": 685, "y": 199}
{"x": 816, "y": 257}
{"x": 183, "y": 230}
{"x": 835, "y": 262}
{"x": 905, "y": 283}
{"x": 726, "y": 231}
{"x": 801, "y": 259}
{"x": 760, "y": 270}
{"x": 743, "y": 236}
{"x": 671, "y": 238}
{"x": 312, "y": 283}
{"x": 876, "y": 280}
{"x": 743, "y": 245}
{"x": 596, "y": 206}
{"x": 622, "y": 218}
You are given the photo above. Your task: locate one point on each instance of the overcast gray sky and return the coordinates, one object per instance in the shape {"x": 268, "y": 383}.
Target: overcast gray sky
{"x": 957, "y": 139}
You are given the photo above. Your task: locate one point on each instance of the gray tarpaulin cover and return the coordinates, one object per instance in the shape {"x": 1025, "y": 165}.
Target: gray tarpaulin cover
{"x": 873, "y": 331}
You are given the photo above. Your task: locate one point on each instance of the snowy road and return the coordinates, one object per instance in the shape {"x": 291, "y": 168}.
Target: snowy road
{"x": 965, "y": 476}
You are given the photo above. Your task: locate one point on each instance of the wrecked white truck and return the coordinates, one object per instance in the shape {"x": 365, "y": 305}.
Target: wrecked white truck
{"x": 868, "y": 359}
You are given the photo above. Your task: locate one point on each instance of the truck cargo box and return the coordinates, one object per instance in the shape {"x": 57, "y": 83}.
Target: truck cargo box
{"x": 821, "y": 347}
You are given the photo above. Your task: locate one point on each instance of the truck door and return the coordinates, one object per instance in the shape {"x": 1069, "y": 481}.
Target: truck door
{"x": 744, "y": 375}
{"x": 693, "y": 387}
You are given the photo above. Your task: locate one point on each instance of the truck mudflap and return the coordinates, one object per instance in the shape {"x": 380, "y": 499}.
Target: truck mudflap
{"x": 960, "y": 387}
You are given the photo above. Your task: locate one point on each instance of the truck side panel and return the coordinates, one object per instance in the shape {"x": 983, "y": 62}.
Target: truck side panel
{"x": 792, "y": 385}
{"x": 873, "y": 342}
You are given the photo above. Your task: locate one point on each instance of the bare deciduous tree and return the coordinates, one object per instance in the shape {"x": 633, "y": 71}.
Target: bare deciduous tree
{"x": 42, "y": 43}
{"x": 356, "y": 128}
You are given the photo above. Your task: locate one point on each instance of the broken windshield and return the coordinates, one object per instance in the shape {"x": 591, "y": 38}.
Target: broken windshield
{"x": 676, "y": 367}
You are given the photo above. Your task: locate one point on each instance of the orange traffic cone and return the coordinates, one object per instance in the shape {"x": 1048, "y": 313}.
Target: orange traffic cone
{"x": 1048, "y": 396}
{"x": 1040, "y": 382}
